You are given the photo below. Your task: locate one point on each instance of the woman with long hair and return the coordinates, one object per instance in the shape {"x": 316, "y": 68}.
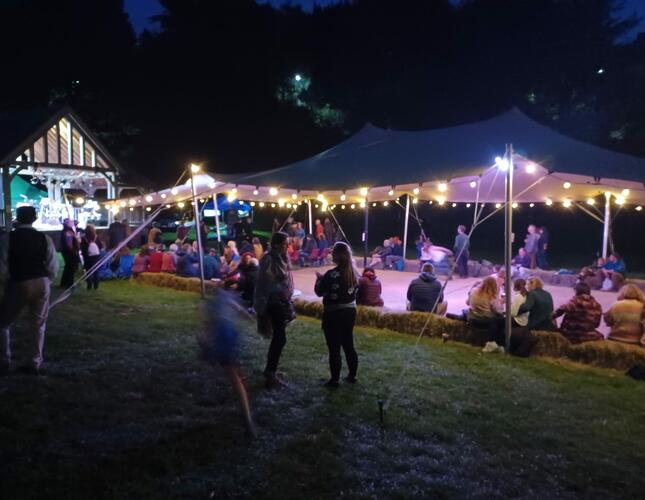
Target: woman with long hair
{"x": 338, "y": 288}
{"x": 625, "y": 316}
{"x": 272, "y": 302}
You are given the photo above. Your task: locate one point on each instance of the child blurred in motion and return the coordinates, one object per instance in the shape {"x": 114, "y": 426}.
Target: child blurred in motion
{"x": 221, "y": 343}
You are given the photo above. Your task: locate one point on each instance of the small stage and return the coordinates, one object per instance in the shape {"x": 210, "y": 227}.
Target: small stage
{"x": 395, "y": 287}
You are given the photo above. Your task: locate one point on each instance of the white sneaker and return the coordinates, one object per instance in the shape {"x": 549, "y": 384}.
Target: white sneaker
{"x": 492, "y": 347}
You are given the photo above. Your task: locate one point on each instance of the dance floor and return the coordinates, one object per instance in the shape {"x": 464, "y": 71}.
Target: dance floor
{"x": 395, "y": 286}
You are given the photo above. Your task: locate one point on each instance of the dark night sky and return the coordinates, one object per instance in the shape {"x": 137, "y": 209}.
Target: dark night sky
{"x": 141, "y": 10}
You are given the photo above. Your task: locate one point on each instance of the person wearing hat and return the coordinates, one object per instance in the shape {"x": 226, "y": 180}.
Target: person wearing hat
{"x": 28, "y": 264}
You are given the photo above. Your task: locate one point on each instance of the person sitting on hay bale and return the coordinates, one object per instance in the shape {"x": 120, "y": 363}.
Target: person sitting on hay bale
{"x": 539, "y": 305}
{"x": 582, "y": 316}
{"x": 625, "y": 316}
{"x": 188, "y": 262}
{"x": 369, "y": 289}
{"x": 425, "y": 293}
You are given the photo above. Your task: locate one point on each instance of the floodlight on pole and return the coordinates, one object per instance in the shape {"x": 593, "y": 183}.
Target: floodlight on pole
{"x": 194, "y": 168}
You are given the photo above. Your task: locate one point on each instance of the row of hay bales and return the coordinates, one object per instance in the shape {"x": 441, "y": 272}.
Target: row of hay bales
{"x": 605, "y": 354}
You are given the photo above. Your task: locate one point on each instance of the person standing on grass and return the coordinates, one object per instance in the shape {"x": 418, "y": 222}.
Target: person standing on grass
{"x": 28, "y": 265}
{"x": 221, "y": 345}
{"x": 91, "y": 251}
{"x": 69, "y": 248}
{"x": 272, "y": 302}
{"x": 338, "y": 288}
{"x": 461, "y": 251}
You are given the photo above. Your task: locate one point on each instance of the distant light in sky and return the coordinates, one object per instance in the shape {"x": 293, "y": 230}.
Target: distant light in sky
{"x": 297, "y": 77}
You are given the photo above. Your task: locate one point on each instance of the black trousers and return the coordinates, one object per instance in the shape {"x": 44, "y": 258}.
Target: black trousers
{"x": 462, "y": 264}
{"x": 339, "y": 333}
{"x": 71, "y": 264}
{"x": 92, "y": 281}
{"x": 279, "y": 339}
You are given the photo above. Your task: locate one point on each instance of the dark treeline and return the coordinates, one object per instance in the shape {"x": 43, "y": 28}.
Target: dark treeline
{"x": 217, "y": 81}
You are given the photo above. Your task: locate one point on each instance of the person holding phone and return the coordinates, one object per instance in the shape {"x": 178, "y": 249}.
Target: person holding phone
{"x": 338, "y": 288}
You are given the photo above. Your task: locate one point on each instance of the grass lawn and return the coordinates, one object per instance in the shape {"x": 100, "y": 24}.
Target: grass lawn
{"x": 127, "y": 410}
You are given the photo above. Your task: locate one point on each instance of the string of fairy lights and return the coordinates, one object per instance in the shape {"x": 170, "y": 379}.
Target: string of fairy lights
{"x": 295, "y": 199}
{"x": 148, "y": 201}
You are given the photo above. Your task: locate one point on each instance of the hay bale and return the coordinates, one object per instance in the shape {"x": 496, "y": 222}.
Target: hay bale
{"x": 551, "y": 344}
{"x": 607, "y": 354}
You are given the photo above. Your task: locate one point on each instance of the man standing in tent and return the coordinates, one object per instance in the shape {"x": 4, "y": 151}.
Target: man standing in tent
{"x": 28, "y": 264}
{"x": 461, "y": 251}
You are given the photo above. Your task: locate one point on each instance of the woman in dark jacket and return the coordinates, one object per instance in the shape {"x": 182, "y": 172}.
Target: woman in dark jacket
{"x": 338, "y": 288}
{"x": 369, "y": 289}
{"x": 272, "y": 302}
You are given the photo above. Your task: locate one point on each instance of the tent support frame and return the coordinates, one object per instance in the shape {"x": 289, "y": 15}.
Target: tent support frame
{"x": 198, "y": 231}
{"x": 606, "y": 226}
{"x": 508, "y": 247}
{"x": 405, "y": 226}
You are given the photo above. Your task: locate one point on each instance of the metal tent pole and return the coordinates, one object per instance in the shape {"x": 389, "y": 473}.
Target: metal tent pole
{"x": 606, "y": 230}
{"x": 405, "y": 226}
{"x": 200, "y": 249}
{"x": 365, "y": 233}
{"x": 6, "y": 197}
{"x": 311, "y": 221}
{"x": 508, "y": 248}
{"x": 219, "y": 234}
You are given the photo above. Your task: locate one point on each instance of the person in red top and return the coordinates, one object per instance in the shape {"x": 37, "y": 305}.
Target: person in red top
{"x": 320, "y": 229}
{"x": 156, "y": 260}
{"x": 369, "y": 289}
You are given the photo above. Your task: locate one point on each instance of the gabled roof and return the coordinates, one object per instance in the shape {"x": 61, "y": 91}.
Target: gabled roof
{"x": 378, "y": 157}
{"x": 20, "y": 130}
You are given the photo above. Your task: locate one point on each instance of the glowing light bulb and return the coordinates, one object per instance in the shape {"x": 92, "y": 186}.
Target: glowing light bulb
{"x": 625, "y": 192}
{"x": 79, "y": 200}
{"x": 316, "y": 205}
{"x": 514, "y": 205}
{"x": 390, "y": 192}
{"x": 501, "y": 163}
{"x": 281, "y": 203}
{"x": 498, "y": 205}
{"x": 441, "y": 200}
{"x": 272, "y": 205}
{"x": 163, "y": 196}
{"x": 230, "y": 198}
{"x": 234, "y": 190}
{"x": 212, "y": 184}
{"x": 261, "y": 204}
{"x": 343, "y": 197}
{"x": 415, "y": 191}
{"x": 415, "y": 201}
{"x": 294, "y": 196}
{"x": 352, "y": 206}
{"x": 454, "y": 205}
{"x": 273, "y": 191}
{"x": 549, "y": 202}
{"x": 530, "y": 168}
{"x": 591, "y": 201}
{"x": 386, "y": 203}
{"x": 252, "y": 203}
{"x": 620, "y": 200}
{"x": 115, "y": 209}
{"x": 473, "y": 184}
{"x": 343, "y": 207}
{"x": 148, "y": 209}
{"x": 566, "y": 185}
{"x": 181, "y": 204}
{"x": 566, "y": 203}
{"x": 122, "y": 204}
{"x": 132, "y": 202}
{"x": 288, "y": 205}
{"x": 131, "y": 209}
{"x": 362, "y": 204}
{"x": 531, "y": 205}
{"x": 363, "y": 191}
{"x": 320, "y": 197}
{"x": 173, "y": 191}
{"x": 442, "y": 187}
{"x": 639, "y": 208}
{"x": 148, "y": 198}
{"x": 467, "y": 205}
{"x": 194, "y": 168}
{"x": 374, "y": 204}
{"x": 168, "y": 205}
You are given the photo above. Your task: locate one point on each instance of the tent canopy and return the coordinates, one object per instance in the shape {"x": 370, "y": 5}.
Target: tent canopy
{"x": 449, "y": 164}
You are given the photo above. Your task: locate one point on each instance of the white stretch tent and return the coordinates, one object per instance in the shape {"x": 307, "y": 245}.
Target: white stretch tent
{"x": 454, "y": 164}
